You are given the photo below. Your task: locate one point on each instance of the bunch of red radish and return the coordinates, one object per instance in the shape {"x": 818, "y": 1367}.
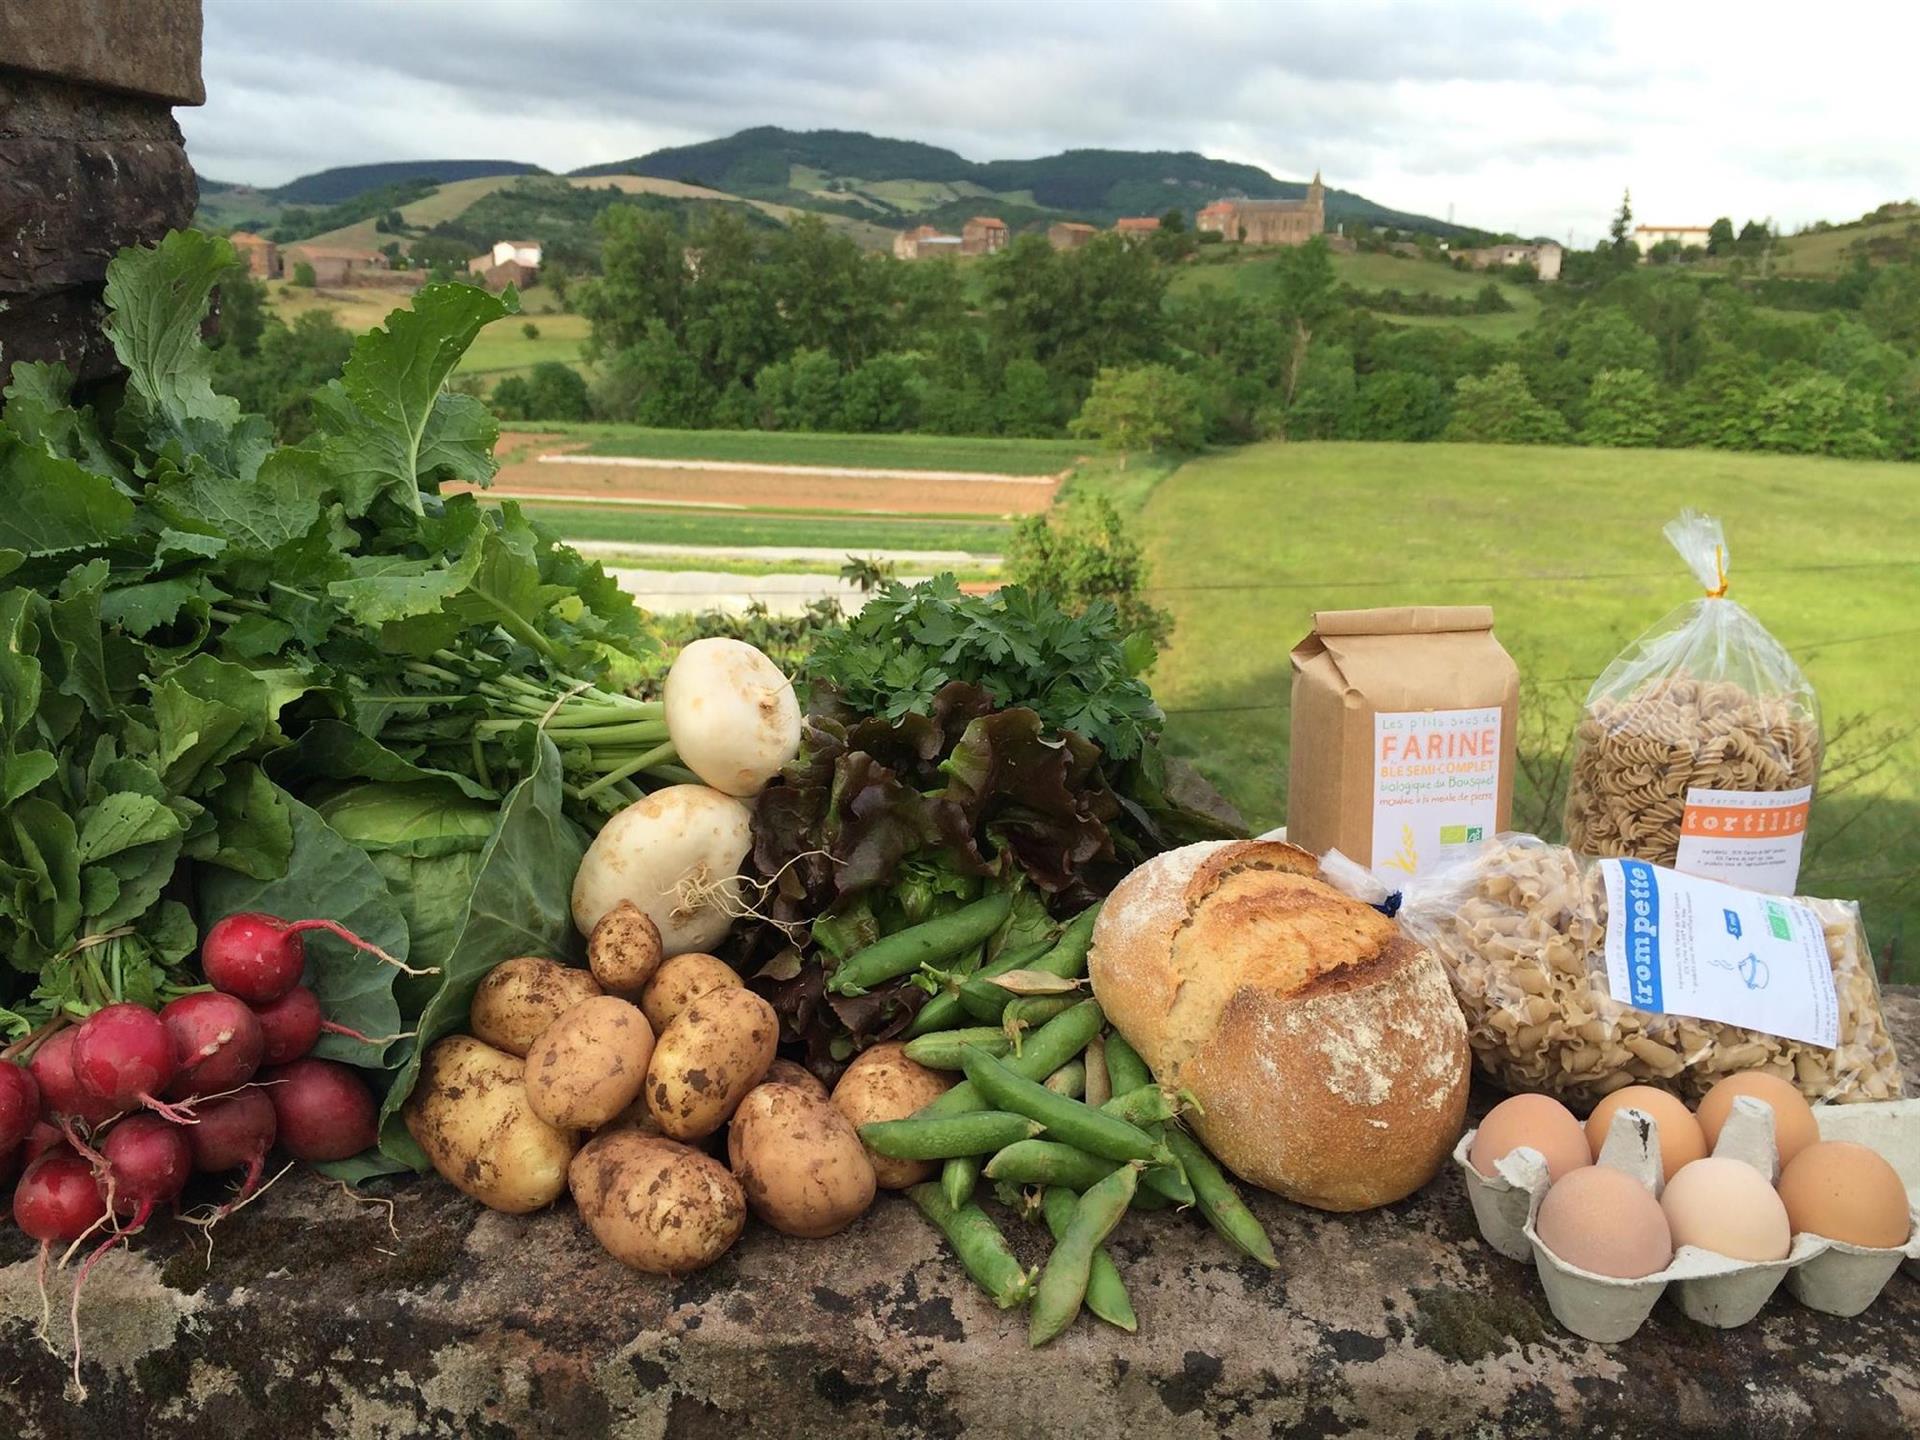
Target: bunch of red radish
{"x": 109, "y": 1118}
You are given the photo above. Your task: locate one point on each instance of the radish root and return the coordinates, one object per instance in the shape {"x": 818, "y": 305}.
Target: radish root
{"x": 340, "y": 932}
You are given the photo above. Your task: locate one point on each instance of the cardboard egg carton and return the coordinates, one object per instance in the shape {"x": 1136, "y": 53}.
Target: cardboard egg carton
{"x": 1822, "y": 1274}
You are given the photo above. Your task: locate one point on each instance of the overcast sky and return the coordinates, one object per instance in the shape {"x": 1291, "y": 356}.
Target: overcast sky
{"x": 1529, "y": 117}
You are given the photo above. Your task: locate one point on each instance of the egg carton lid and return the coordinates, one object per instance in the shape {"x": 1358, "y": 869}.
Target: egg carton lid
{"x": 1711, "y": 1288}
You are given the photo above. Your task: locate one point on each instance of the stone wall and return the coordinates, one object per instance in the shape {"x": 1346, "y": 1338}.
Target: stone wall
{"x": 90, "y": 161}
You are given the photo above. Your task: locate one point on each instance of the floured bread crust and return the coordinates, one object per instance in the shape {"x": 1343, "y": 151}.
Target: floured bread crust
{"x": 1324, "y": 1044}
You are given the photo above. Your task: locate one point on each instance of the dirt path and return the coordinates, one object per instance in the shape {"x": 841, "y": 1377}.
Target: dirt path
{"x": 759, "y": 486}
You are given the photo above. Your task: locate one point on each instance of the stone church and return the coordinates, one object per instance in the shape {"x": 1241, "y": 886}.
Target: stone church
{"x": 1269, "y": 222}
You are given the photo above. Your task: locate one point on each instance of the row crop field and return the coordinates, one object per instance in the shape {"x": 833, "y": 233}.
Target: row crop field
{"x": 980, "y": 455}
{"x": 1566, "y": 546}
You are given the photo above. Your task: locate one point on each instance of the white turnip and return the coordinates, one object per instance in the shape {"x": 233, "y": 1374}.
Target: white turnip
{"x": 732, "y": 715}
{"x": 217, "y": 1042}
{"x": 323, "y": 1109}
{"x": 676, "y": 855}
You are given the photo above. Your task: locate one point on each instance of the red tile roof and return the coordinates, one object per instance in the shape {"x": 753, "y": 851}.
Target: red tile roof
{"x": 992, "y": 222}
{"x": 1137, "y": 223}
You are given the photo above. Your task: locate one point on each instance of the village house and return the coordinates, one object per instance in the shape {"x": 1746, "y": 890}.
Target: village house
{"x": 261, "y": 255}
{"x": 1268, "y": 222}
{"x": 1069, "y": 234}
{"x": 1645, "y": 237}
{"x": 510, "y": 262}
{"x": 983, "y": 235}
{"x": 924, "y": 242}
{"x": 1545, "y": 258}
{"x": 1136, "y": 227}
{"x": 334, "y": 264}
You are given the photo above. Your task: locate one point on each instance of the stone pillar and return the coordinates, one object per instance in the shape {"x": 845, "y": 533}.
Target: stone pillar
{"x": 90, "y": 161}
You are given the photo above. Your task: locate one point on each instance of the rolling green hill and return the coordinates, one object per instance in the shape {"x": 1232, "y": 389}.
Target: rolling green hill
{"x": 850, "y": 171}
{"x": 1890, "y": 235}
{"x": 330, "y": 187}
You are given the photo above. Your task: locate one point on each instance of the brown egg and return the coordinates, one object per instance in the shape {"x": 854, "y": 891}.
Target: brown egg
{"x": 1538, "y": 1122}
{"x": 1793, "y": 1127}
{"x": 1605, "y": 1222}
{"x": 1728, "y": 1207}
{"x": 1681, "y": 1139}
{"x": 1846, "y": 1192}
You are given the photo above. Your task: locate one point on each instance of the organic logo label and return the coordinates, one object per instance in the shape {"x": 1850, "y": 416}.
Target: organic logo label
{"x": 1777, "y": 921}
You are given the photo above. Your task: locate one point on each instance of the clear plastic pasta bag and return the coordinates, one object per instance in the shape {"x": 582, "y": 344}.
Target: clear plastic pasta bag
{"x": 1699, "y": 746}
{"x": 1520, "y": 927}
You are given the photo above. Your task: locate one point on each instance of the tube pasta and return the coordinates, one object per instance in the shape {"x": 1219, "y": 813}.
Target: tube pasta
{"x": 1521, "y": 930}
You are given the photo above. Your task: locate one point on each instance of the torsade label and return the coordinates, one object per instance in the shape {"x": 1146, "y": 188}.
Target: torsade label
{"x": 1747, "y": 838}
{"x": 1436, "y": 787}
{"x": 1681, "y": 945}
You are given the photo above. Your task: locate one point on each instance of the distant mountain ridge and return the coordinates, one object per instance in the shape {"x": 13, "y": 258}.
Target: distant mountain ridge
{"x": 885, "y": 181}
{"x": 1091, "y": 184}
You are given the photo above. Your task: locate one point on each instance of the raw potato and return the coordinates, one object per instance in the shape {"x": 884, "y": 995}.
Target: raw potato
{"x": 789, "y": 1072}
{"x": 800, "y": 1162}
{"x": 733, "y": 716}
{"x": 469, "y": 1112}
{"x": 624, "y": 950}
{"x": 676, "y": 855}
{"x": 883, "y": 1084}
{"x": 635, "y": 1117}
{"x": 520, "y": 998}
{"x": 681, "y": 981}
{"x": 656, "y": 1205}
{"x": 588, "y": 1065}
{"x": 714, "y": 1052}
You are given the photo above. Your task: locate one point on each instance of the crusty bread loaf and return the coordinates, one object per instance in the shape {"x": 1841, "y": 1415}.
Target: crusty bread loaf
{"x": 1324, "y": 1044}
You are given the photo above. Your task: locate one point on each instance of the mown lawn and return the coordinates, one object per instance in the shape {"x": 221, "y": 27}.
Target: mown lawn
{"x": 634, "y": 524}
{"x": 879, "y": 452}
{"x": 1565, "y": 545}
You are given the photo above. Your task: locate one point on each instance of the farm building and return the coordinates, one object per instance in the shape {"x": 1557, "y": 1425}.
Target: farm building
{"x": 983, "y": 235}
{"x": 1268, "y": 222}
{"x": 1069, "y": 234}
{"x": 923, "y": 242}
{"x": 508, "y": 272}
{"x": 1545, "y": 258}
{"x": 261, "y": 255}
{"x": 1136, "y": 227}
{"x": 335, "y": 264}
{"x": 1645, "y": 237}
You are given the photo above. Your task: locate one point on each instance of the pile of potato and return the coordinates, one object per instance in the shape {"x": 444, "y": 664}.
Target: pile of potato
{"x": 616, "y": 1082}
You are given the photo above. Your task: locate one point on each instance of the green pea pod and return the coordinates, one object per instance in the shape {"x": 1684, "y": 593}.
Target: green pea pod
{"x": 941, "y": 1050}
{"x": 945, "y": 1136}
{"x": 958, "y": 1177}
{"x": 1218, "y": 1200}
{"x": 1148, "y": 1105}
{"x": 1063, "y": 1283}
{"x": 944, "y": 1011}
{"x": 1124, "y": 1066}
{"x": 1024, "y": 1013}
{"x": 1068, "y": 1120}
{"x": 979, "y": 1244}
{"x": 1046, "y": 1050}
{"x": 1099, "y": 1081}
{"x": 1106, "y": 1291}
{"x": 1049, "y": 1163}
{"x": 1067, "y": 960}
{"x": 927, "y": 943}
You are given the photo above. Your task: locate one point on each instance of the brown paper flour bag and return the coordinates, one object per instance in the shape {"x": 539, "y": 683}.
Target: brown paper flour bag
{"x": 1403, "y": 731}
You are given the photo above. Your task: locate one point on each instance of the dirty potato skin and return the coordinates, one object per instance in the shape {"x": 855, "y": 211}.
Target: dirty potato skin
{"x": 883, "y": 1084}
{"x": 714, "y": 1052}
{"x": 469, "y": 1112}
{"x": 521, "y": 998}
{"x": 681, "y": 981}
{"x": 624, "y": 950}
{"x": 800, "y": 1162}
{"x": 791, "y": 1072}
{"x": 588, "y": 1065}
{"x": 654, "y": 1204}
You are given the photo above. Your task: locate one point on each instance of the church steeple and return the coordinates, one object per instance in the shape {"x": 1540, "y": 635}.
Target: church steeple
{"x": 1316, "y": 185}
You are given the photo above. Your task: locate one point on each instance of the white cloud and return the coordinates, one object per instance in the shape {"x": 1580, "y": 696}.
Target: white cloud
{"x": 1523, "y": 116}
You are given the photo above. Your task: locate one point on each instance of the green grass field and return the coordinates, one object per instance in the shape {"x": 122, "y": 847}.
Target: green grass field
{"x": 880, "y": 452}
{"x": 1251, "y": 274}
{"x": 1827, "y": 252}
{"x": 636, "y": 524}
{"x": 505, "y": 346}
{"x": 1566, "y": 546}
